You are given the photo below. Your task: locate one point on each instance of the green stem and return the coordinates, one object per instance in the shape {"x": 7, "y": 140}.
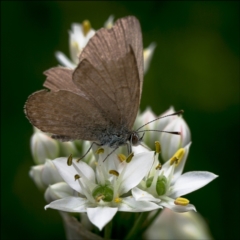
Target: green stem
{"x": 108, "y": 230}
{"x": 137, "y": 225}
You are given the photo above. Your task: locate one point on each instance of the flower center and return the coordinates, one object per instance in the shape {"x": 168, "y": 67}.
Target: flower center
{"x": 104, "y": 193}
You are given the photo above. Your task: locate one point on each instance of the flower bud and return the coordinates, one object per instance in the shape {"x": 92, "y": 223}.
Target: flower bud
{"x": 44, "y": 175}
{"x": 163, "y": 122}
{"x": 143, "y": 118}
{"x": 43, "y": 146}
{"x": 67, "y": 148}
{"x": 172, "y": 225}
{"x": 170, "y": 143}
{"x": 57, "y": 191}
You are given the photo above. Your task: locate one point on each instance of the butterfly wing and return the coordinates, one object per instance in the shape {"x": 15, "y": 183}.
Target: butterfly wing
{"x": 116, "y": 60}
{"x": 105, "y": 89}
{"x": 60, "y": 78}
{"x": 65, "y": 114}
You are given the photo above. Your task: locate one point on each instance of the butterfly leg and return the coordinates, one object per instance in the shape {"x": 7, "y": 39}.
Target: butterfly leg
{"x": 110, "y": 153}
{"x": 88, "y": 150}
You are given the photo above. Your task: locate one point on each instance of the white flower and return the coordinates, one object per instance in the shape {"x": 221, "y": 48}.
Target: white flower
{"x": 101, "y": 193}
{"x": 170, "y": 225}
{"x": 170, "y": 143}
{"x": 164, "y": 185}
{"x": 44, "y": 175}
{"x": 43, "y": 147}
{"x": 109, "y": 23}
{"x": 80, "y": 34}
{"x": 57, "y": 191}
{"x": 147, "y": 56}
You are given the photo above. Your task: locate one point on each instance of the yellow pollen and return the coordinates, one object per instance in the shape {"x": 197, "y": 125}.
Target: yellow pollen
{"x": 69, "y": 160}
{"x": 86, "y": 27}
{"x": 157, "y": 147}
{"x": 177, "y": 157}
{"x": 129, "y": 158}
{"x": 99, "y": 151}
{"x": 76, "y": 177}
{"x": 158, "y": 167}
{"x": 114, "y": 172}
{"x": 121, "y": 157}
{"x": 117, "y": 200}
{"x": 181, "y": 201}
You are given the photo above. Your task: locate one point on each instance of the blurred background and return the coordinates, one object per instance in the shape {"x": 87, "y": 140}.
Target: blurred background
{"x": 195, "y": 67}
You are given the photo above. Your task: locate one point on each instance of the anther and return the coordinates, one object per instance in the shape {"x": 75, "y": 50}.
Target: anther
{"x": 117, "y": 200}
{"x": 99, "y": 151}
{"x": 129, "y": 158}
{"x": 76, "y": 177}
{"x": 121, "y": 157}
{"x": 177, "y": 157}
{"x": 181, "y": 201}
{"x": 157, "y": 147}
{"x": 69, "y": 160}
{"x": 158, "y": 167}
{"x": 114, "y": 172}
{"x": 86, "y": 27}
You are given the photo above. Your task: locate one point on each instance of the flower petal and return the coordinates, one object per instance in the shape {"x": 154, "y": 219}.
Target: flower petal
{"x": 179, "y": 169}
{"x": 58, "y": 191}
{"x": 135, "y": 171}
{"x": 190, "y": 182}
{"x": 63, "y": 59}
{"x": 100, "y": 216}
{"x": 68, "y": 172}
{"x": 178, "y": 208}
{"x": 141, "y": 195}
{"x": 69, "y": 204}
{"x": 129, "y": 204}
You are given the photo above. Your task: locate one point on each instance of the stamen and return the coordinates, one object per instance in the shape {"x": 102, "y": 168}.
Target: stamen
{"x": 121, "y": 157}
{"x": 177, "y": 157}
{"x": 69, "y": 160}
{"x": 129, "y": 158}
{"x": 181, "y": 201}
{"x": 114, "y": 172}
{"x": 100, "y": 197}
{"x": 117, "y": 200}
{"x": 86, "y": 27}
{"x": 157, "y": 147}
{"x": 99, "y": 151}
{"x": 158, "y": 167}
{"x": 76, "y": 177}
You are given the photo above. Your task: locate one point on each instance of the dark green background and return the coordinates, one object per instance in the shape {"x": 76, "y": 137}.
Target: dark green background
{"x": 195, "y": 67}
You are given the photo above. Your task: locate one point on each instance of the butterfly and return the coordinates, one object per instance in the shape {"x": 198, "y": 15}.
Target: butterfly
{"x": 99, "y": 100}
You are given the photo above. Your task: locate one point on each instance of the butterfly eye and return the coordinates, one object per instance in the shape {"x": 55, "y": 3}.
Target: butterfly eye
{"x": 135, "y": 139}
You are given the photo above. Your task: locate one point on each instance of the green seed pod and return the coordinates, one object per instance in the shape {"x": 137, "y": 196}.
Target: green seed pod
{"x": 103, "y": 192}
{"x": 161, "y": 185}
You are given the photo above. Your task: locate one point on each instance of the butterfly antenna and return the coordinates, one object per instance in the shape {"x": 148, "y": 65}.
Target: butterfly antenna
{"x": 176, "y": 113}
{"x": 153, "y": 130}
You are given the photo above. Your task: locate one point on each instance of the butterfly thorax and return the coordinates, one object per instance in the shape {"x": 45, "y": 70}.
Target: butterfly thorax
{"x": 113, "y": 137}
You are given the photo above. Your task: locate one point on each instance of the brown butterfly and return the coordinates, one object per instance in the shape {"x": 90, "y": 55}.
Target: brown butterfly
{"x": 99, "y": 100}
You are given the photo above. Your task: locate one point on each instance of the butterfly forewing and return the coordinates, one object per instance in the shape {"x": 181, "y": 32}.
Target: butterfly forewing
{"x": 118, "y": 79}
{"x": 102, "y": 93}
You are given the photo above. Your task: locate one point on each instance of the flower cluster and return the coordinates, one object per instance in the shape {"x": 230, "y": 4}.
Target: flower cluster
{"x": 102, "y": 184}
